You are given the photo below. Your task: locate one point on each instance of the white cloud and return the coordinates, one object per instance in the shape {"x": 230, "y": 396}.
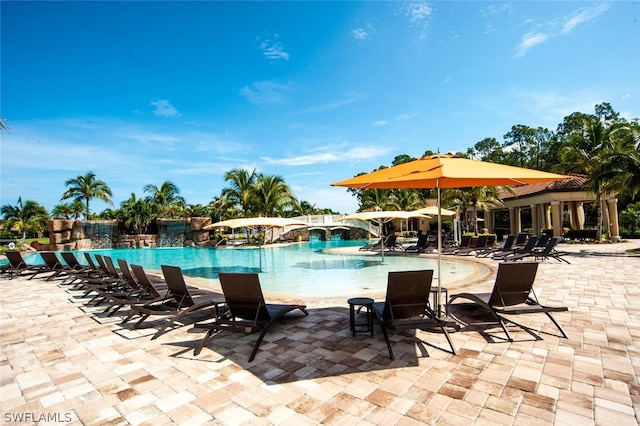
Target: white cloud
{"x": 418, "y": 11}
{"x": 583, "y": 15}
{"x": 265, "y": 92}
{"x": 349, "y": 98}
{"x": 164, "y": 108}
{"x": 272, "y": 49}
{"x": 360, "y": 34}
{"x": 528, "y": 41}
{"x": 330, "y": 155}
{"x": 555, "y": 28}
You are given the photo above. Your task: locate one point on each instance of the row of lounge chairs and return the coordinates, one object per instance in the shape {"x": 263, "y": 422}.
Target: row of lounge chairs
{"x": 242, "y": 308}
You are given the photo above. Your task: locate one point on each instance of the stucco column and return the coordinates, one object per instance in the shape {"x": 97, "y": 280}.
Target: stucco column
{"x": 580, "y": 215}
{"x": 556, "y": 218}
{"x": 547, "y": 216}
{"x": 488, "y": 219}
{"x": 514, "y": 220}
{"x": 614, "y": 228}
{"x": 535, "y": 222}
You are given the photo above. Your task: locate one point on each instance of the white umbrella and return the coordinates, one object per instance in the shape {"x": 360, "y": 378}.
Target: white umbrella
{"x": 433, "y": 210}
{"x": 258, "y": 223}
{"x": 382, "y": 216}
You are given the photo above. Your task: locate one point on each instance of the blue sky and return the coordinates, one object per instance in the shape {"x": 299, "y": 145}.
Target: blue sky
{"x": 316, "y": 92}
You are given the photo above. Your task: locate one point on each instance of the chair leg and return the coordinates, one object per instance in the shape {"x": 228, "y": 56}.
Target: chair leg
{"x": 386, "y": 337}
{"x": 557, "y": 325}
{"x": 446, "y": 334}
{"x": 203, "y": 342}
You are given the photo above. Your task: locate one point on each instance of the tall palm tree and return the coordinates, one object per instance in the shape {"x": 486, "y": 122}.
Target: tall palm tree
{"x": 25, "y": 216}
{"x": 223, "y": 208}
{"x": 477, "y": 198}
{"x": 374, "y": 198}
{"x": 272, "y": 196}
{"x": 85, "y": 188}
{"x": 167, "y": 197}
{"x": 404, "y": 200}
{"x": 587, "y": 146}
{"x": 241, "y": 190}
{"x": 138, "y": 213}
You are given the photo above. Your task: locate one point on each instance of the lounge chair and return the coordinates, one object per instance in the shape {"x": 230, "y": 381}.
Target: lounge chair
{"x": 481, "y": 243}
{"x": 528, "y": 248}
{"x": 177, "y": 303}
{"x": 392, "y": 244}
{"x": 247, "y": 310}
{"x": 138, "y": 294}
{"x": 18, "y": 266}
{"x": 512, "y": 295}
{"x": 506, "y": 246}
{"x": 406, "y": 306}
{"x": 465, "y": 242}
{"x": 547, "y": 252}
{"x": 374, "y": 246}
{"x": 55, "y": 267}
{"x": 420, "y": 246}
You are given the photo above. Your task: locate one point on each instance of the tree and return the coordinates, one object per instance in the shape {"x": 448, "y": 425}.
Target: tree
{"x": 241, "y": 190}
{"x": 85, "y": 188}
{"x": 71, "y": 210}
{"x": 521, "y": 144}
{"x": 488, "y": 149}
{"x": 137, "y": 214}
{"x": 477, "y": 198}
{"x": 589, "y": 141}
{"x": 374, "y": 199}
{"x": 404, "y": 200}
{"x": 28, "y": 216}
{"x": 630, "y": 217}
{"x": 272, "y": 196}
{"x": 222, "y": 208}
{"x": 167, "y": 197}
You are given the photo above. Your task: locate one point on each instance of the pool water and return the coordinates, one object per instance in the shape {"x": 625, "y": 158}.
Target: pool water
{"x": 296, "y": 270}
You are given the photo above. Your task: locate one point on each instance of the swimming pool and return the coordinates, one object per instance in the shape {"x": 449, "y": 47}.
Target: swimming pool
{"x": 303, "y": 271}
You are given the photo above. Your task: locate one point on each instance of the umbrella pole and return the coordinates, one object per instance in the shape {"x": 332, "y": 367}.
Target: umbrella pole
{"x": 382, "y": 241}
{"x": 439, "y": 249}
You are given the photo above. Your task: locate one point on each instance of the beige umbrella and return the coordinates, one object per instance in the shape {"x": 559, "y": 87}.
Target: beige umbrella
{"x": 261, "y": 224}
{"x": 433, "y": 210}
{"x": 447, "y": 171}
{"x": 382, "y": 217}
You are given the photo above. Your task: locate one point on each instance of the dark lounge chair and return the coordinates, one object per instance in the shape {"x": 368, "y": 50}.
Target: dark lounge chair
{"x": 465, "y": 242}
{"x": 481, "y": 243}
{"x": 506, "y": 246}
{"x": 528, "y": 248}
{"x": 18, "y": 266}
{"x": 56, "y": 268}
{"x": 177, "y": 303}
{"x": 512, "y": 295}
{"x": 247, "y": 310}
{"x": 420, "y": 246}
{"x": 547, "y": 252}
{"x": 406, "y": 306}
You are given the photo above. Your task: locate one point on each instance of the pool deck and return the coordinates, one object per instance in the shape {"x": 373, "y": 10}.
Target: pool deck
{"x": 64, "y": 362}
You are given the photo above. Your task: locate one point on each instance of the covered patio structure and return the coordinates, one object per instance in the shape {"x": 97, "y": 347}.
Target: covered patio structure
{"x": 547, "y": 203}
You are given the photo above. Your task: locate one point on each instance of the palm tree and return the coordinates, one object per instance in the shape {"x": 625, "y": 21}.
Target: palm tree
{"x": 71, "y": 210}
{"x": 374, "y": 198}
{"x": 272, "y": 196}
{"x": 241, "y": 191}
{"x": 27, "y": 216}
{"x": 619, "y": 170}
{"x": 167, "y": 197}
{"x": 85, "y": 188}
{"x": 404, "y": 200}
{"x": 477, "y": 198}
{"x": 588, "y": 147}
{"x": 223, "y": 208}
{"x": 137, "y": 214}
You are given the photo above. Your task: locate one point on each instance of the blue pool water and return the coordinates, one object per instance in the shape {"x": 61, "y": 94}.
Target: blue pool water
{"x": 297, "y": 270}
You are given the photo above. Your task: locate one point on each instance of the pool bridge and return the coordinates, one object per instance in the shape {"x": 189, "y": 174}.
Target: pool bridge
{"x": 328, "y": 223}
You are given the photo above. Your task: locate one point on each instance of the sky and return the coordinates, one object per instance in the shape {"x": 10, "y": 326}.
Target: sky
{"x": 145, "y": 92}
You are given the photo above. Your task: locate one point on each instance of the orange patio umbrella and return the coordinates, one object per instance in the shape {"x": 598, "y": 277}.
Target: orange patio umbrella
{"x": 447, "y": 171}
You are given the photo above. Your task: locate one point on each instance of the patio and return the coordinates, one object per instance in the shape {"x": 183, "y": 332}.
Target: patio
{"x": 63, "y": 362}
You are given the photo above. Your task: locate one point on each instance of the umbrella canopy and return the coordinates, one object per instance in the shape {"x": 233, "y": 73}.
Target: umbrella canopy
{"x": 256, "y": 222}
{"x": 382, "y": 216}
{"x": 259, "y": 223}
{"x": 447, "y": 171}
{"x": 433, "y": 211}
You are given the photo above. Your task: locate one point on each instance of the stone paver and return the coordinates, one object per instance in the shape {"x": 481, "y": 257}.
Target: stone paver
{"x": 64, "y": 362}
